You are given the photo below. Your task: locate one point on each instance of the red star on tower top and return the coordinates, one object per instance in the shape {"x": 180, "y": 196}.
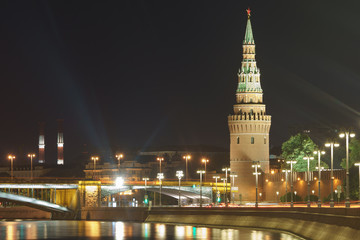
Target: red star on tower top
{"x": 248, "y": 12}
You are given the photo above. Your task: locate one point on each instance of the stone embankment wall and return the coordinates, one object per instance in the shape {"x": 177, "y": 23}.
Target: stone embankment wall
{"x": 23, "y": 212}
{"x": 114, "y": 213}
{"x": 315, "y": 224}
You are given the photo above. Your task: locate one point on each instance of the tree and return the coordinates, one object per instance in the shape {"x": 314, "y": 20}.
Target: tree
{"x": 296, "y": 148}
{"x": 354, "y": 153}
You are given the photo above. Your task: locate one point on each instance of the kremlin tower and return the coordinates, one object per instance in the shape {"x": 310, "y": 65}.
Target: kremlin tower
{"x": 249, "y": 125}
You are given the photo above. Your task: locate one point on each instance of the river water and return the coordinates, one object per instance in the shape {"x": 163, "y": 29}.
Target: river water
{"x": 126, "y": 230}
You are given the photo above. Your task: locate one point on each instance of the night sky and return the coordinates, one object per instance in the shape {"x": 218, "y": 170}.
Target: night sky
{"x": 133, "y": 74}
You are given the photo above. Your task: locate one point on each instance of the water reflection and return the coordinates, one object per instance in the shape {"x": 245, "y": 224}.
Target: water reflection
{"x": 126, "y": 230}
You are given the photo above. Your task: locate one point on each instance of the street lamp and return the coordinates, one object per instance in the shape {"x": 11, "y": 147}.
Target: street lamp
{"x": 286, "y": 171}
{"x": 179, "y": 174}
{"x": 160, "y": 176}
{"x": 31, "y": 156}
{"x": 233, "y": 176}
{"x": 216, "y": 189}
{"x": 277, "y": 197}
{"x": 226, "y": 170}
{"x": 256, "y": 165}
{"x": 308, "y": 178}
{"x": 358, "y": 165}
{"x": 119, "y": 157}
{"x": 291, "y": 182}
{"x": 160, "y": 159}
{"x": 332, "y": 144}
{"x": 12, "y": 157}
{"x": 146, "y": 196}
{"x": 319, "y": 153}
{"x": 347, "y": 134}
{"x": 204, "y": 160}
{"x": 94, "y": 159}
{"x": 224, "y": 179}
{"x": 201, "y": 172}
{"x": 186, "y": 157}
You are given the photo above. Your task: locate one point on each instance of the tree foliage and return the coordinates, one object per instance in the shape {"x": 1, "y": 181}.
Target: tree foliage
{"x": 296, "y": 148}
{"x": 354, "y": 153}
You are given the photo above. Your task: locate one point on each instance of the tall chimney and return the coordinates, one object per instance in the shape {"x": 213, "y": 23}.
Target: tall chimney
{"x": 60, "y": 143}
{"x": 41, "y": 142}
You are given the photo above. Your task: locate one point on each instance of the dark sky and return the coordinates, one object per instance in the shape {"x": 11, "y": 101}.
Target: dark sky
{"x": 131, "y": 74}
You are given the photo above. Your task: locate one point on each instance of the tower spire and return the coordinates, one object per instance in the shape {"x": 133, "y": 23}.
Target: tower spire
{"x": 249, "y": 38}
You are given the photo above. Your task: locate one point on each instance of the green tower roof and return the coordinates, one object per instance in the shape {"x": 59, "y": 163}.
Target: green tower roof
{"x": 249, "y": 38}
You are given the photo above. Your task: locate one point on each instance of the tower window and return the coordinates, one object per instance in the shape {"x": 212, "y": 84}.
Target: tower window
{"x": 238, "y": 140}
{"x": 264, "y": 140}
{"x": 252, "y": 140}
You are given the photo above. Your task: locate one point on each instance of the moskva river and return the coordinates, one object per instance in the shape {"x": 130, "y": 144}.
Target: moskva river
{"x": 126, "y": 230}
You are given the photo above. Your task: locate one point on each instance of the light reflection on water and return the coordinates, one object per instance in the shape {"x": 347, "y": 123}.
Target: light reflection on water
{"x": 126, "y": 230}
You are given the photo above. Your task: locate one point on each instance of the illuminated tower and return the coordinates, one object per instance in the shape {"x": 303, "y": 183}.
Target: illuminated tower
{"x": 41, "y": 142}
{"x": 60, "y": 143}
{"x": 249, "y": 126}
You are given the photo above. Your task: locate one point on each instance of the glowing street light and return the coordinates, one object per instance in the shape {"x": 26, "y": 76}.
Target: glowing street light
{"x": 179, "y": 174}
{"x": 31, "y": 156}
{"x": 216, "y": 189}
{"x": 94, "y": 159}
{"x": 347, "y": 134}
{"x": 319, "y": 153}
{"x": 201, "y": 172}
{"x": 291, "y": 182}
{"x": 233, "y": 176}
{"x": 286, "y": 171}
{"x": 308, "y": 158}
{"x": 332, "y": 144}
{"x": 224, "y": 179}
{"x": 186, "y": 157}
{"x": 226, "y": 170}
{"x": 146, "y": 196}
{"x": 12, "y": 157}
{"x": 119, "y": 157}
{"x": 204, "y": 160}
{"x": 256, "y": 165}
{"x": 358, "y": 165}
{"x": 160, "y": 176}
{"x": 160, "y": 159}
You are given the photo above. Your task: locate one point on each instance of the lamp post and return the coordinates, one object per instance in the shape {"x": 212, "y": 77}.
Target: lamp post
{"x": 146, "y": 179}
{"x": 12, "y": 157}
{"x": 119, "y": 157}
{"x": 358, "y": 165}
{"x": 319, "y": 153}
{"x": 216, "y": 189}
{"x": 226, "y": 170}
{"x": 179, "y": 174}
{"x": 160, "y": 159}
{"x": 286, "y": 177}
{"x": 332, "y": 144}
{"x": 256, "y": 165}
{"x": 31, "y": 156}
{"x": 186, "y": 157}
{"x": 233, "y": 176}
{"x": 308, "y": 158}
{"x": 347, "y": 134}
{"x": 224, "y": 179}
{"x": 204, "y": 160}
{"x": 94, "y": 159}
{"x": 291, "y": 182}
{"x": 160, "y": 176}
{"x": 201, "y": 172}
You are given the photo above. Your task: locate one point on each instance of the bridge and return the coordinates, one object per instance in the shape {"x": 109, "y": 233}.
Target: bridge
{"x": 69, "y": 197}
